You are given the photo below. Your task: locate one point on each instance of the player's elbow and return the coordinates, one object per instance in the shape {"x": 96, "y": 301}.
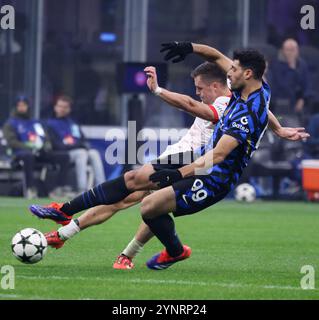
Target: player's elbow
{"x": 219, "y": 156}
{"x": 191, "y": 103}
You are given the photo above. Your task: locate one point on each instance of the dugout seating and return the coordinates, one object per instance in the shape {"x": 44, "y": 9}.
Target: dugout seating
{"x": 10, "y": 171}
{"x": 12, "y": 178}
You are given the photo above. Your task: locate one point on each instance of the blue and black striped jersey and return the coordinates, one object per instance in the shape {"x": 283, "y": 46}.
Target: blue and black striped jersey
{"x": 246, "y": 121}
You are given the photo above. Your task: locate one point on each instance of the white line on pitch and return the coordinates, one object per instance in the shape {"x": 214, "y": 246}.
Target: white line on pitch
{"x": 8, "y": 295}
{"x": 173, "y": 282}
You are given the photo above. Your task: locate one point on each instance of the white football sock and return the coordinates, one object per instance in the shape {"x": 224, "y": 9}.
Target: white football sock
{"x": 68, "y": 231}
{"x": 133, "y": 248}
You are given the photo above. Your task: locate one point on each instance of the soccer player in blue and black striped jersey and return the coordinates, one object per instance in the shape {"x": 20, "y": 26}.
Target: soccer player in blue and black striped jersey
{"x": 215, "y": 173}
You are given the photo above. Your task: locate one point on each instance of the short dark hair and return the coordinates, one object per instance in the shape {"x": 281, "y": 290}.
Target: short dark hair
{"x": 210, "y": 72}
{"x": 251, "y": 59}
{"x": 65, "y": 98}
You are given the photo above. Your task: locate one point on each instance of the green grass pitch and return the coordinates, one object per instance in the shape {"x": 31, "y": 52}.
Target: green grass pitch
{"x": 240, "y": 251}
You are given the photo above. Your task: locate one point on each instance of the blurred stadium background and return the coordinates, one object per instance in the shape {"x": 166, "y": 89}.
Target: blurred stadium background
{"x": 85, "y": 49}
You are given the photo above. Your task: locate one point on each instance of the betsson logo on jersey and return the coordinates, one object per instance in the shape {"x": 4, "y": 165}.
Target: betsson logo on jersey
{"x": 240, "y": 127}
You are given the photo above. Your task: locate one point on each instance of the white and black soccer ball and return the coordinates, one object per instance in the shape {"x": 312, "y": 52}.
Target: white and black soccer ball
{"x": 245, "y": 192}
{"x": 29, "y": 245}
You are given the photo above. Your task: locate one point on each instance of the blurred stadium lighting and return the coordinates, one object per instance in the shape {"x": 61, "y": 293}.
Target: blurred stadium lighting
{"x": 108, "y": 37}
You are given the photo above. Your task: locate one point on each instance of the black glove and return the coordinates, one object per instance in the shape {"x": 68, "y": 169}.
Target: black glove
{"x": 177, "y": 49}
{"x": 166, "y": 177}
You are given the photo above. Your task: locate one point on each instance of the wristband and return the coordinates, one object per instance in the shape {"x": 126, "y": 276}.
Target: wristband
{"x": 158, "y": 91}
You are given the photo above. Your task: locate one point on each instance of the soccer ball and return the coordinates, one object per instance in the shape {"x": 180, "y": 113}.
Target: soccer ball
{"x": 29, "y": 245}
{"x": 245, "y": 192}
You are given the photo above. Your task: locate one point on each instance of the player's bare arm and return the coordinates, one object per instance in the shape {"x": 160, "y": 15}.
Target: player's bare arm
{"x": 217, "y": 155}
{"x": 180, "y": 101}
{"x": 288, "y": 133}
{"x": 179, "y": 50}
{"x": 213, "y": 55}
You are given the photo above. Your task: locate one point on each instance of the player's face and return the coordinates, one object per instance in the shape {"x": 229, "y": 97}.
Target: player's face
{"x": 236, "y": 76}
{"x": 205, "y": 90}
{"x": 62, "y": 109}
{"x": 22, "y": 107}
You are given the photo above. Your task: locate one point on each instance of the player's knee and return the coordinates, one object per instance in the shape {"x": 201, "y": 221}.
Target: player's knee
{"x": 147, "y": 208}
{"x": 135, "y": 179}
{"x": 141, "y": 176}
{"x": 129, "y": 178}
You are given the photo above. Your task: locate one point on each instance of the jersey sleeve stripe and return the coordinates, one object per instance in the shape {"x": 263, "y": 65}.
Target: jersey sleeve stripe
{"x": 216, "y": 117}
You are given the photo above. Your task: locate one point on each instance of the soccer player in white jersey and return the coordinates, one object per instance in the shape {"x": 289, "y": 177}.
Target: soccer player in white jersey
{"x": 211, "y": 86}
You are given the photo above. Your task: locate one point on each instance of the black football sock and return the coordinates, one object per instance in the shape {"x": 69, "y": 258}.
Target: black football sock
{"x": 163, "y": 228}
{"x": 108, "y": 192}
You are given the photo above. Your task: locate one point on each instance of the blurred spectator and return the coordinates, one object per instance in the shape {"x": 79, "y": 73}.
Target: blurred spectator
{"x": 30, "y": 144}
{"x": 66, "y": 135}
{"x": 289, "y": 80}
{"x": 312, "y": 144}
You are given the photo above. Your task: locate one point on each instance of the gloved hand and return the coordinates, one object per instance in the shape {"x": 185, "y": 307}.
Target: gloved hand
{"x": 166, "y": 177}
{"x": 177, "y": 50}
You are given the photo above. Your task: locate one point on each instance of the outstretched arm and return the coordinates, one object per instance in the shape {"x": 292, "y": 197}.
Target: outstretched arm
{"x": 180, "y": 101}
{"x": 213, "y": 55}
{"x": 224, "y": 147}
{"x": 293, "y": 134}
{"x": 179, "y": 50}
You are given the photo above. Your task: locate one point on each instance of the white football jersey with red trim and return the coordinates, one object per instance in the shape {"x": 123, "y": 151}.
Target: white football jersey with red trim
{"x": 200, "y": 132}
